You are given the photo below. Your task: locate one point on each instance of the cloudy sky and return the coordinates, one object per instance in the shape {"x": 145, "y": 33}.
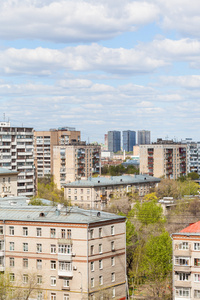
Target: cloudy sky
{"x": 101, "y": 65}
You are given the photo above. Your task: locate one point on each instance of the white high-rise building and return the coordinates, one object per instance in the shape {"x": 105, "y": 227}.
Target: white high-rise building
{"x": 16, "y": 153}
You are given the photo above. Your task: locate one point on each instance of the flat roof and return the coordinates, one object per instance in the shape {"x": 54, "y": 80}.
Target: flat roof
{"x": 51, "y": 214}
{"x": 7, "y": 171}
{"x": 113, "y": 180}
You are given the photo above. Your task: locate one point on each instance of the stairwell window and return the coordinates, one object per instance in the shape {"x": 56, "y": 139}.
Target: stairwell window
{"x": 184, "y": 246}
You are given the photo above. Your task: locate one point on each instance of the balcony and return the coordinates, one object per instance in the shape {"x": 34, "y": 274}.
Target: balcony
{"x": 182, "y": 268}
{"x": 65, "y": 256}
{"x": 183, "y": 283}
{"x": 65, "y": 273}
{"x": 2, "y": 268}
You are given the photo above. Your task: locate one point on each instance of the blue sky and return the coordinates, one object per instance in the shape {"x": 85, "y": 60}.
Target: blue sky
{"x": 101, "y": 65}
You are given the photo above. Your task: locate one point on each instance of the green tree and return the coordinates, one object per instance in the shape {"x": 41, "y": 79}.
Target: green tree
{"x": 168, "y": 188}
{"x": 157, "y": 263}
{"x": 149, "y": 212}
{"x": 189, "y": 187}
{"x": 193, "y": 175}
{"x": 151, "y": 196}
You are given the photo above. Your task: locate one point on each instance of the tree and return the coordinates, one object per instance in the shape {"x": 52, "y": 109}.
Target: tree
{"x": 168, "y": 188}
{"x": 193, "y": 176}
{"x": 157, "y": 264}
{"x": 50, "y": 191}
{"x": 149, "y": 212}
{"x": 151, "y": 196}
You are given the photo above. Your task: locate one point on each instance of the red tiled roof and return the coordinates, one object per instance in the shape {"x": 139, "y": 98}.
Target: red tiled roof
{"x": 193, "y": 228}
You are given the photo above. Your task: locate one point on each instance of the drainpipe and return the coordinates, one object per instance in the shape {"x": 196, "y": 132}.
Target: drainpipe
{"x": 172, "y": 266}
{"x": 87, "y": 262}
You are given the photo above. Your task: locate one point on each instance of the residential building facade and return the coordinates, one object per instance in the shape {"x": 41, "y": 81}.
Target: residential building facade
{"x": 8, "y": 183}
{"x": 97, "y": 192}
{"x": 114, "y": 141}
{"x": 76, "y": 161}
{"x": 68, "y": 254}
{"x": 186, "y": 263}
{"x": 143, "y": 137}
{"x": 164, "y": 158}
{"x": 129, "y": 140}
{"x": 16, "y": 154}
{"x": 44, "y": 141}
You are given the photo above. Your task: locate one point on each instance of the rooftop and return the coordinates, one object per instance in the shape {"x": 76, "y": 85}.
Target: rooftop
{"x": 54, "y": 214}
{"x": 7, "y": 172}
{"x": 113, "y": 180}
{"x": 192, "y": 229}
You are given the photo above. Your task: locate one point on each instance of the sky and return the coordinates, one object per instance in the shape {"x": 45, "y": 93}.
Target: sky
{"x": 101, "y": 65}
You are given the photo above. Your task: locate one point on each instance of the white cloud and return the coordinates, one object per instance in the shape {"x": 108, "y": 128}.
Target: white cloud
{"x": 72, "y": 20}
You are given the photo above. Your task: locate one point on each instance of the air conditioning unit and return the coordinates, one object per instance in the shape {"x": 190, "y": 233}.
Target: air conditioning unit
{"x": 73, "y": 254}
{"x": 74, "y": 268}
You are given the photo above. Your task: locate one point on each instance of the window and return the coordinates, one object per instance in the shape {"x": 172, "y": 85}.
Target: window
{"x": 183, "y": 246}
{"x": 66, "y": 297}
{"x": 112, "y": 246}
{"x": 39, "y": 295}
{"x": 183, "y": 276}
{"x": 53, "y": 265}
{"x": 11, "y": 230}
{"x": 75, "y": 197}
{"x": 39, "y": 264}
{"x": 75, "y": 191}
{"x": 12, "y": 246}
{"x": 197, "y": 262}
{"x": 53, "y": 296}
{"x": 69, "y": 191}
{"x": 25, "y": 231}
{"x": 1, "y": 245}
{"x": 92, "y": 266}
{"x": 100, "y": 248}
{"x": 65, "y": 249}
{"x": 113, "y": 293}
{"x": 25, "y": 247}
{"x": 53, "y": 281}
{"x": 39, "y": 279}
{"x": 2, "y": 261}
{"x": 12, "y": 262}
{"x": 66, "y": 283}
{"x": 100, "y": 280}
{"x": 100, "y": 264}
{"x": 39, "y": 231}
{"x": 197, "y": 294}
{"x": 197, "y": 277}
{"x": 4, "y": 180}
{"x": 63, "y": 234}
{"x": 81, "y": 191}
{"x": 92, "y": 282}
{"x": 91, "y": 233}
{"x": 69, "y": 233}
{"x": 52, "y": 232}
{"x": 25, "y": 278}
{"x": 100, "y": 232}
{"x": 12, "y": 277}
{"x": 112, "y": 261}
{"x": 8, "y": 179}
{"x": 88, "y": 191}
{"x": 39, "y": 248}
{"x": 92, "y": 250}
{"x": 65, "y": 266}
{"x": 25, "y": 263}
{"x": 53, "y": 248}
{"x": 182, "y": 292}
{"x": 1, "y": 229}
{"x": 112, "y": 230}
{"x": 113, "y": 277}
{"x": 197, "y": 246}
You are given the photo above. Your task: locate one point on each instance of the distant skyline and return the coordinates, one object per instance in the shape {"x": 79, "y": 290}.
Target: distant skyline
{"x": 101, "y": 65}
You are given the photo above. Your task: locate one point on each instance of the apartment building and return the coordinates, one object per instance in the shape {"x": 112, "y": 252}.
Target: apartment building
{"x": 164, "y": 158}
{"x": 44, "y": 141}
{"x": 114, "y": 141}
{"x": 129, "y": 140}
{"x": 143, "y": 137}
{"x": 76, "y": 161}
{"x": 16, "y": 154}
{"x": 186, "y": 263}
{"x": 97, "y": 192}
{"x": 68, "y": 253}
{"x": 8, "y": 182}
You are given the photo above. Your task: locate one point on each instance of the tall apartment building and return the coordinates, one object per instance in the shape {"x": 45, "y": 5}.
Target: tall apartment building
{"x": 129, "y": 140}
{"x": 164, "y": 158}
{"x": 75, "y": 161}
{"x": 69, "y": 254}
{"x": 44, "y": 141}
{"x": 16, "y": 153}
{"x": 143, "y": 137}
{"x": 193, "y": 155}
{"x": 186, "y": 263}
{"x": 114, "y": 141}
